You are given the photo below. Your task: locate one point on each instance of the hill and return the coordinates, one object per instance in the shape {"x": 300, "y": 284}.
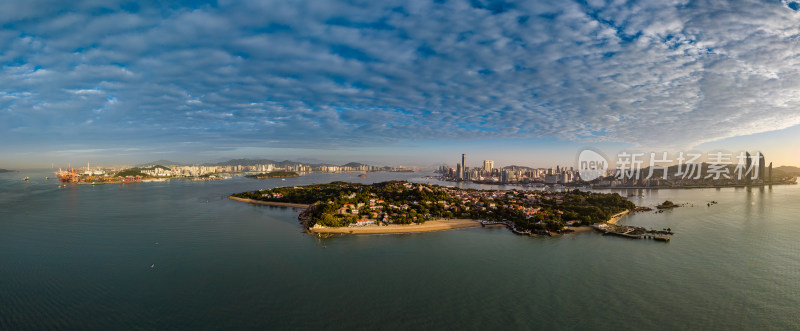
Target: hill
{"x": 355, "y": 165}
{"x": 280, "y": 164}
{"x": 161, "y": 162}
{"x": 517, "y": 167}
{"x": 785, "y": 171}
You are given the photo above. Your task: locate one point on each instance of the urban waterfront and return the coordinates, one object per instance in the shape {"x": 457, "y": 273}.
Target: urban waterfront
{"x": 176, "y": 254}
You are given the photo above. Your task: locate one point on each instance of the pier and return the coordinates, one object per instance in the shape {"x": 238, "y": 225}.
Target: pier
{"x": 635, "y": 232}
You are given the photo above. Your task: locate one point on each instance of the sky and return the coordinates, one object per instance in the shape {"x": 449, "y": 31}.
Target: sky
{"x": 395, "y": 82}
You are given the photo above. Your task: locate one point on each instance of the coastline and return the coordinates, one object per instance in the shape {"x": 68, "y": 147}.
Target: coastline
{"x": 270, "y": 203}
{"x": 617, "y": 216}
{"x": 429, "y": 226}
{"x": 579, "y": 229}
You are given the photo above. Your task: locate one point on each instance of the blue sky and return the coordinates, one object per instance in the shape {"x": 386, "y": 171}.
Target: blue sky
{"x": 398, "y": 82}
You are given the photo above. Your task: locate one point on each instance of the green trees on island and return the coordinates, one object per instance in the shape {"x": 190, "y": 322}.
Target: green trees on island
{"x": 666, "y": 205}
{"x": 399, "y": 202}
{"x": 132, "y": 172}
{"x": 274, "y": 174}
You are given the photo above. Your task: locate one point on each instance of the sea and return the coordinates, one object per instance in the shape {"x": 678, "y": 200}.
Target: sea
{"x": 179, "y": 255}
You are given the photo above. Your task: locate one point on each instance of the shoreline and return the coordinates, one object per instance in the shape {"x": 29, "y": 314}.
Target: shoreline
{"x": 579, "y": 229}
{"x": 429, "y": 226}
{"x": 614, "y": 219}
{"x": 270, "y": 203}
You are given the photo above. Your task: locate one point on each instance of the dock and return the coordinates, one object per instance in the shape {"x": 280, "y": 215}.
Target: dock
{"x": 635, "y": 232}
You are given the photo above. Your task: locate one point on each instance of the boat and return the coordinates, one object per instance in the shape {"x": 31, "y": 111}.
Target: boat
{"x": 26, "y": 178}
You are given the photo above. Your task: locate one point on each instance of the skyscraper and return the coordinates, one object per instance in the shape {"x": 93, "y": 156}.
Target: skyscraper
{"x": 762, "y": 167}
{"x": 749, "y": 163}
{"x": 463, "y": 165}
{"x": 488, "y": 165}
{"x": 769, "y": 175}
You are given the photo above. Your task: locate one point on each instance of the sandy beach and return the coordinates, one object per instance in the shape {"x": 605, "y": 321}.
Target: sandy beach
{"x": 617, "y": 216}
{"x": 270, "y": 203}
{"x": 437, "y": 225}
{"x": 428, "y": 226}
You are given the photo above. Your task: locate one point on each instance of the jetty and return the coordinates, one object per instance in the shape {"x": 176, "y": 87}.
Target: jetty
{"x": 633, "y": 232}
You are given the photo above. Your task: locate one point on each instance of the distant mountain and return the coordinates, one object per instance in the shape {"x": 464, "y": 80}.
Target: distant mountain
{"x": 6, "y": 170}
{"x": 311, "y": 161}
{"x": 244, "y": 162}
{"x": 785, "y": 171}
{"x": 777, "y": 172}
{"x": 280, "y": 164}
{"x": 517, "y": 167}
{"x": 161, "y": 162}
{"x": 355, "y": 165}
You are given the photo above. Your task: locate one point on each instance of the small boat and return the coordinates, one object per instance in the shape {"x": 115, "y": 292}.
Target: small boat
{"x": 46, "y": 178}
{"x": 26, "y": 178}
{"x": 283, "y": 178}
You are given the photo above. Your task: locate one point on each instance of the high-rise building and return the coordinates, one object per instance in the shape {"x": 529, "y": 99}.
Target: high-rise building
{"x": 749, "y": 163}
{"x": 769, "y": 175}
{"x": 459, "y": 171}
{"x": 762, "y": 167}
{"x": 463, "y": 165}
{"x": 488, "y": 165}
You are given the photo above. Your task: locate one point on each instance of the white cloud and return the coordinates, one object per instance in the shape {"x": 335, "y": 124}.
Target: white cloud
{"x": 654, "y": 73}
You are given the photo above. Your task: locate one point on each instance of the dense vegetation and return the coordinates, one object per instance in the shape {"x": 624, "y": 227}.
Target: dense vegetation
{"x": 398, "y": 202}
{"x": 274, "y": 174}
{"x": 137, "y": 171}
{"x": 667, "y": 204}
{"x": 132, "y": 172}
{"x": 154, "y": 168}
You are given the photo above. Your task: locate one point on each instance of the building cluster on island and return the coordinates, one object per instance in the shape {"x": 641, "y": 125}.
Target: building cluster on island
{"x": 702, "y": 174}
{"x": 262, "y": 166}
{"x": 341, "y": 204}
{"x": 159, "y": 170}
{"x": 488, "y": 174}
{"x": 674, "y": 176}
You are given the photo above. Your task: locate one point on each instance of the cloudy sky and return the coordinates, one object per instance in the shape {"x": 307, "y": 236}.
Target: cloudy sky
{"x": 416, "y": 82}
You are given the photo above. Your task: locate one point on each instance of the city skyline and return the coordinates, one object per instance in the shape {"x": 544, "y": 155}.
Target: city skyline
{"x": 405, "y": 83}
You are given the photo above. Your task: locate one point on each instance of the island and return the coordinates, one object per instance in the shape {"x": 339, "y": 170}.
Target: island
{"x": 667, "y": 205}
{"x": 274, "y": 174}
{"x": 401, "y": 207}
{"x": 6, "y": 170}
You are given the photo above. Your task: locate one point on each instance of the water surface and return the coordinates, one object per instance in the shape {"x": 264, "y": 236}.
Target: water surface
{"x": 177, "y": 255}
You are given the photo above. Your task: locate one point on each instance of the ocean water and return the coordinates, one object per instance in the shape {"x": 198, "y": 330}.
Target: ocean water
{"x": 177, "y": 255}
